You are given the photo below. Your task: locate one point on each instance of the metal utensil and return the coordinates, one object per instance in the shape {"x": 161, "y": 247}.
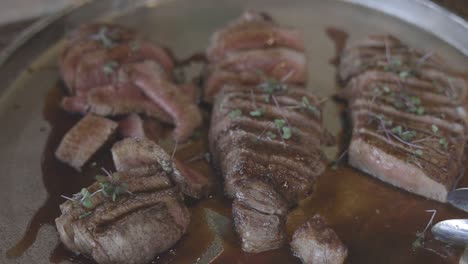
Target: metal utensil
{"x": 453, "y": 231}
{"x": 459, "y": 198}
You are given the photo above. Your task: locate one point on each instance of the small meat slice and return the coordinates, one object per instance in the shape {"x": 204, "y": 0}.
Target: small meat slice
{"x": 184, "y": 112}
{"x": 316, "y": 243}
{"x": 134, "y": 228}
{"x": 258, "y": 231}
{"x": 252, "y": 31}
{"x": 84, "y": 139}
{"x": 131, "y": 126}
{"x": 144, "y": 153}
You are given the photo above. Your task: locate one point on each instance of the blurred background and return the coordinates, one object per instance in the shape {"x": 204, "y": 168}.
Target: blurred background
{"x": 16, "y": 15}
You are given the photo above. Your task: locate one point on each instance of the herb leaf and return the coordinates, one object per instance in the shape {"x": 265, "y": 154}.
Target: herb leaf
{"x": 235, "y": 113}
{"x": 110, "y": 67}
{"x": 286, "y": 132}
{"x": 258, "y": 112}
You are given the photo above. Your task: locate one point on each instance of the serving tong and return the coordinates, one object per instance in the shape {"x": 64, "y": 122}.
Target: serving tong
{"x": 454, "y": 231}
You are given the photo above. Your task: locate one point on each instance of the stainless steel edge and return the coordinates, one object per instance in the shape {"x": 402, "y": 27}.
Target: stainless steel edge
{"x": 455, "y": 35}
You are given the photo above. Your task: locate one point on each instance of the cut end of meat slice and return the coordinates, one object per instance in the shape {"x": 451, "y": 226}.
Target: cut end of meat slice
{"x": 132, "y": 153}
{"x": 258, "y": 231}
{"x": 316, "y": 243}
{"x": 84, "y": 139}
{"x": 397, "y": 172}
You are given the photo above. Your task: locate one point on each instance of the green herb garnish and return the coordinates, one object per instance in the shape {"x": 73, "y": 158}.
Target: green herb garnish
{"x": 258, "y": 112}
{"x": 110, "y": 67}
{"x": 307, "y": 105}
{"x": 235, "y": 113}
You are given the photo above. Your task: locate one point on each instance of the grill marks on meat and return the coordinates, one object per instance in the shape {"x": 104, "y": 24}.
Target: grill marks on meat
{"x": 145, "y": 219}
{"x": 133, "y": 229}
{"x": 265, "y": 173}
{"x": 144, "y": 155}
{"x": 266, "y": 129}
{"x": 408, "y": 115}
{"x": 84, "y": 139}
{"x": 316, "y": 243}
{"x": 251, "y": 49}
{"x": 110, "y": 70}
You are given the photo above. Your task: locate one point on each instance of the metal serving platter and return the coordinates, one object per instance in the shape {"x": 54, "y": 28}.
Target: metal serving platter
{"x": 28, "y": 72}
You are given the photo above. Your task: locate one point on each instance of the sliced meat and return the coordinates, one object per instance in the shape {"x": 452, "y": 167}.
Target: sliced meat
{"x": 84, "y": 139}
{"x": 252, "y": 30}
{"x": 145, "y": 154}
{"x": 115, "y": 100}
{"x": 133, "y": 228}
{"x": 266, "y": 129}
{"x": 266, "y": 147}
{"x": 316, "y": 243}
{"x": 131, "y": 126}
{"x": 384, "y": 52}
{"x": 258, "y": 232}
{"x": 251, "y": 50}
{"x": 186, "y": 115}
{"x": 409, "y": 122}
{"x": 110, "y": 70}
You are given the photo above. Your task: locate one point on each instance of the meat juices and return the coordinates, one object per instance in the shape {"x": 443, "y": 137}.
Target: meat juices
{"x": 266, "y": 129}
{"x": 84, "y": 139}
{"x": 408, "y": 115}
{"x": 129, "y": 216}
{"x": 110, "y": 70}
{"x": 316, "y": 243}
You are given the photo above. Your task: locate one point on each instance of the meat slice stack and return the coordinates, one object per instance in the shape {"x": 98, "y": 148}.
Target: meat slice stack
{"x": 110, "y": 70}
{"x": 266, "y": 129}
{"x": 250, "y": 49}
{"x": 408, "y": 115}
{"x": 129, "y": 216}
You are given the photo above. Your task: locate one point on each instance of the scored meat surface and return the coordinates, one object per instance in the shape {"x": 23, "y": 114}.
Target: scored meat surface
{"x": 266, "y": 129}
{"x": 129, "y": 216}
{"x": 408, "y": 114}
{"x": 266, "y": 146}
{"x": 83, "y": 140}
{"x": 316, "y": 243}
{"x": 143, "y": 154}
{"x": 110, "y": 70}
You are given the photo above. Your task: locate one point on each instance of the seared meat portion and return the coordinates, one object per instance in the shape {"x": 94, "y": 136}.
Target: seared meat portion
{"x": 251, "y": 49}
{"x": 315, "y": 243}
{"x": 266, "y": 146}
{"x": 409, "y": 123}
{"x": 134, "y": 227}
{"x": 144, "y": 155}
{"x": 84, "y": 139}
{"x": 278, "y": 140}
{"x": 111, "y": 70}
{"x": 266, "y": 130}
{"x": 258, "y": 231}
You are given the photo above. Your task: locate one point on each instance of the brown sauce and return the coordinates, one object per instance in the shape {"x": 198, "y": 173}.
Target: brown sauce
{"x": 377, "y": 222}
